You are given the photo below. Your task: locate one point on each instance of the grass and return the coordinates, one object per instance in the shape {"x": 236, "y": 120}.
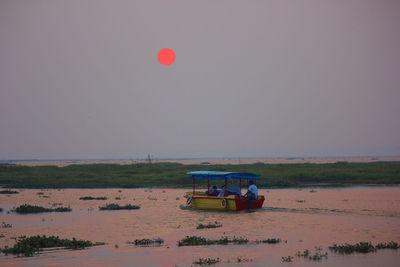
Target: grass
{"x": 27, "y": 209}
{"x": 8, "y": 192}
{"x": 201, "y": 241}
{"x": 174, "y": 175}
{"x": 119, "y": 207}
{"x": 28, "y": 246}
{"x": 93, "y": 198}
{"x": 209, "y": 225}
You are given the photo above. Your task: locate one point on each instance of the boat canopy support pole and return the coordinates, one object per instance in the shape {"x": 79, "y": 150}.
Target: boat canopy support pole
{"x": 240, "y": 184}
{"x": 194, "y": 183}
{"x": 226, "y": 185}
{"x": 208, "y": 184}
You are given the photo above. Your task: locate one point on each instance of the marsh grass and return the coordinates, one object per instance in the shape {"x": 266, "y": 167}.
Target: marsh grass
{"x": 174, "y": 175}
{"x": 28, "y": 246}
{"x": 114, "y": 206}
{"x": 9, "y": 192}
{"x": 27, "y": 209}
{"x": 209, "y": 225}
{"x": 93, "y": 198}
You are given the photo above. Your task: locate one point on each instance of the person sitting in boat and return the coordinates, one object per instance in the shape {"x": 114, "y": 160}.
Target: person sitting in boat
{"x": 252, "y": 194}
{"x": 222, "y": 192}
{"x": 213, "y": 191}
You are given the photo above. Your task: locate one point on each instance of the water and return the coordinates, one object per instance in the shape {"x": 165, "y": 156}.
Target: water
{"x": 302, "y": 218}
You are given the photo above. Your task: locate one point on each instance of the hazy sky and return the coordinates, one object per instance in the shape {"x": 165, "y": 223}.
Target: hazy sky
{"x": 80, "y": 79}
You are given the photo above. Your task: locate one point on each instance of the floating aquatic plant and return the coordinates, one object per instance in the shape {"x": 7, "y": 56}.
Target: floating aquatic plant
{"x": 8, "y": 192}
{"x": 119, "y": 207}
{"x": 209, "y": 225}
{"x": 287, "y": 259}
{"x": 206, "y": 261}
{"x": 362, "y": 247}
{"x": 240, "y": 259}
{"x": 93, "y": 198}
{"x": 28, "y": 246}
{"x": 317, "y": 256}
{"x": 201, "y": 241}
{"x": 390, "y": 245}
{"x": 269, "y": 241}
{"x": 26, "y": 209}
{"x": 147, "y": 242}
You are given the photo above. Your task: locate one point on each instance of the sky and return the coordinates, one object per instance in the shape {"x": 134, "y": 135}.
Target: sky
{"x": 80, "y": 79}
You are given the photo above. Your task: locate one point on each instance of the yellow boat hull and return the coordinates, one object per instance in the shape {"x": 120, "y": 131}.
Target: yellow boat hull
{"x": 201, "y": 201}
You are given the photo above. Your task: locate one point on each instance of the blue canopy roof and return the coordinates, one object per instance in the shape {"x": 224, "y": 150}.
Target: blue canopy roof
{"x": 216, "y": 175}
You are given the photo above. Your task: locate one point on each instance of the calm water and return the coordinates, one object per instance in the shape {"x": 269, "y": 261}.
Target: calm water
{"x": 304, "y": 219}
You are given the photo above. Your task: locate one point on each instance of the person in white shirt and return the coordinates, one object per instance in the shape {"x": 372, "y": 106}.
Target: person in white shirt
{"x": 251, "y": 195}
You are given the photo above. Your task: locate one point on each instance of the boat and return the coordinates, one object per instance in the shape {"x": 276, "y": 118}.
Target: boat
{"x": 229, "y": 198}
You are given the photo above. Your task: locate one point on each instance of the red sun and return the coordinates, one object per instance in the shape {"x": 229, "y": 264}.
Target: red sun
{"x": 166, "y": 56}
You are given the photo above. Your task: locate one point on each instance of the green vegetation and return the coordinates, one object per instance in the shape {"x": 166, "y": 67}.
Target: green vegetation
{"x": 93, "y": 198}
{"x": 362, "y": 247}
{"x": 240, "y": 259}
{"x": 390, "y": 245}
{"x": 26, "y": 209}
{"x": 317, "y": 256}
{"x": 269, "y": 241}
{"x": 174, "y": 175}
{"x": 8, "y": 192}
{"x": 118, "y": 207}
{"x": 147, "y": 242}
{"x": 28, "y": 246}
{"x": 210, "y": 225}
{"x": 206, "y": 261}
{"x": 201, "y": 241}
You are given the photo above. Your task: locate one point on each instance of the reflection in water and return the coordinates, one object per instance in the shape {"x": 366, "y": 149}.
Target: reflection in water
{"x": 305, "y": 219}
